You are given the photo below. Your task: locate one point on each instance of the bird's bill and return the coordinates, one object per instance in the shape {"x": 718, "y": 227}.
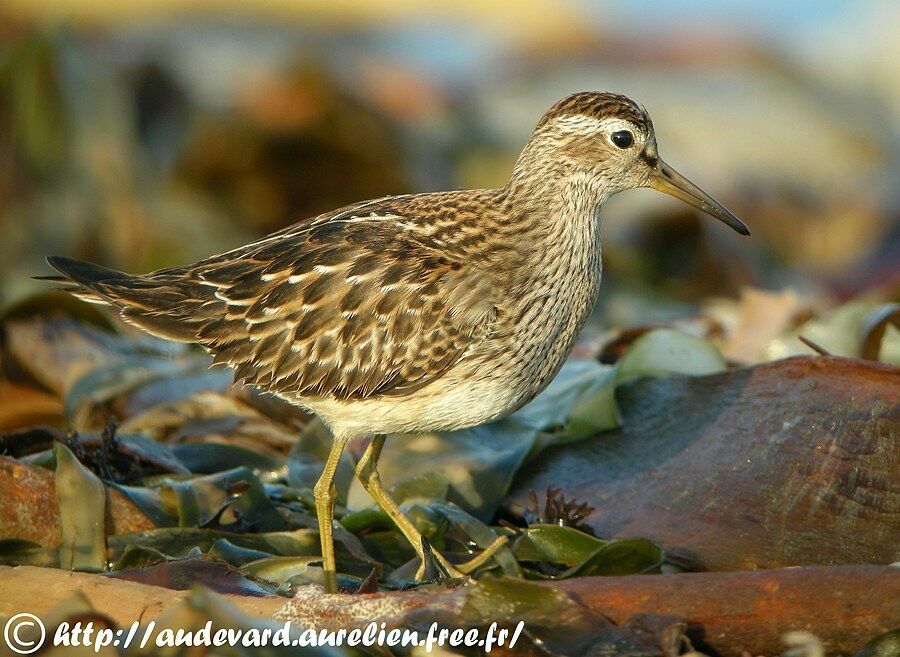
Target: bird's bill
{"x": 668, "y": 181}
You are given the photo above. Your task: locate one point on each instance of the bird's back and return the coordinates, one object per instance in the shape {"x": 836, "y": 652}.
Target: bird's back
{"x": 381, "y": 299}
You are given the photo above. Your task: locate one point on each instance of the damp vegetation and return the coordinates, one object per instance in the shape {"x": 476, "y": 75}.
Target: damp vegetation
{"x": 129, "y": 458}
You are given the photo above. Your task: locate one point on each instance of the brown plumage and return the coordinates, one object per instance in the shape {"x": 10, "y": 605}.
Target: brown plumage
{"x": 414, "y": 313}
{"x": 339, "y": 307}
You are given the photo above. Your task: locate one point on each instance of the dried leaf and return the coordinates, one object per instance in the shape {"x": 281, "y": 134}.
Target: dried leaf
{"x": 24, "y": 406}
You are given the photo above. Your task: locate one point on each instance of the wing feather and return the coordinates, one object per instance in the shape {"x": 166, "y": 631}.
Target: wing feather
{"x": 353, "y": 304}
{"x": 346, "y": 309}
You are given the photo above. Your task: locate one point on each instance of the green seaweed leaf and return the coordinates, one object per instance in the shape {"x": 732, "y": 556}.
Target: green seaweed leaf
{"x": 585, "y": 555}
{"x": 556, "y": 544}
{"x": 19, "y": 552}
{"x": 235, "y": 554}
{"x": 82, "y": 512}
{"x": 209, "y": 458}
{"x": 666, "y": 351}
{"x": 281, "y": 570}
{"x": 235, "y": 495}
{"x": 179, "y": 541}
{"x": 627, "y": 556}
{"x": 139, "y": 556}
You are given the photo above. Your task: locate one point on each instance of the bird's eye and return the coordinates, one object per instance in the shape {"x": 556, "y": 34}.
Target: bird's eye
{"x": 622, "y": 139}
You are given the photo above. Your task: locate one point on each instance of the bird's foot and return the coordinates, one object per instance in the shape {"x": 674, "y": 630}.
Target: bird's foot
{"x": 480, "y": 559}
{"x": 435, "y": 567}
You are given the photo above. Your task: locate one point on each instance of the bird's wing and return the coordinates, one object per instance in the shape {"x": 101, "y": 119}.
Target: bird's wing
{"x": 347, "y": 308}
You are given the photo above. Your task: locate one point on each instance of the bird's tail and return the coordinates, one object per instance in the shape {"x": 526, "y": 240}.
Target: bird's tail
{"x": 159, "y": 305}
{"x": 86, "y": 276}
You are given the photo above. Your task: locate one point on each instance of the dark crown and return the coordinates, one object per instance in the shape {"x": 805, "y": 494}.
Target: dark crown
{"x": 600, "y": 104}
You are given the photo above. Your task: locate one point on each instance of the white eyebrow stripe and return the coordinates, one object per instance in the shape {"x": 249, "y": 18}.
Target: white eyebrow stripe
{"x": 580, "y": 124}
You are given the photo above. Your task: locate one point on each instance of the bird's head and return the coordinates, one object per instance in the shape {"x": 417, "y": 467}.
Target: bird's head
{"x": 606, "y": 141}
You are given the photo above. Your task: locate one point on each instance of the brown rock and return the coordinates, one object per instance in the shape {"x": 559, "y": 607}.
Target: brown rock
{"x": 793, "y": 462}
{"x": 41, "y": 590}
{"x": 728, "y": 613}
{"x": 29, "y": 509}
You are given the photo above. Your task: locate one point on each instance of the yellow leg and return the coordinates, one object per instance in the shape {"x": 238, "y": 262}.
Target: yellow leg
{"x": 367, "y": 471}
{"x": 324, "y": 494}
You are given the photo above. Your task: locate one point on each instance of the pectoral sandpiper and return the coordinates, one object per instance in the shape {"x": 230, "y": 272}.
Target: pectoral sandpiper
{"x": 417, "y": 313}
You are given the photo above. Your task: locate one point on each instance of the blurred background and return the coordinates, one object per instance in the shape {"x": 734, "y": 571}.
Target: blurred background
{"x": 151, "y": 133}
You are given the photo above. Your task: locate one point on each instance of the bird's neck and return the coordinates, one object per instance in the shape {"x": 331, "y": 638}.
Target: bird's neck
{"x": 557, "y": 215}
{"x": 559, "y": 206}
{"x": 553, "y": 193}
{"x": 556, "y": 274}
